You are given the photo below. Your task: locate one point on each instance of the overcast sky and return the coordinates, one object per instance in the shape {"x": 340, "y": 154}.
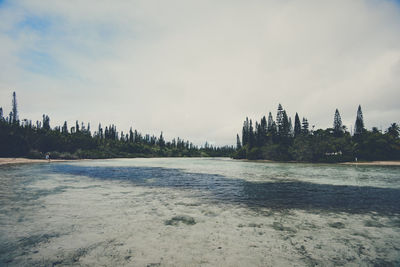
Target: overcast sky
{"x": 196, "y": 69}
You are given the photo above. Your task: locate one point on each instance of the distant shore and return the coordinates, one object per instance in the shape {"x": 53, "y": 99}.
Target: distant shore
{"x": 6, "y": 161}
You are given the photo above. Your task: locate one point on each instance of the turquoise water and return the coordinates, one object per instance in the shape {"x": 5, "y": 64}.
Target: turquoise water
{"x": 198, "y": 212}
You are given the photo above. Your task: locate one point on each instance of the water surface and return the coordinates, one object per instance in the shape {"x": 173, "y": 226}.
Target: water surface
{"x": 198, "y": 212}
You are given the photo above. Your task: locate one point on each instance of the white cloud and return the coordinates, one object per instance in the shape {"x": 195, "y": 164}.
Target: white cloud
{"x": 197, "y": 68}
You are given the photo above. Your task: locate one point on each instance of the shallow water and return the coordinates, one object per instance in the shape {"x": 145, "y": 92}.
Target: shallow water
{"x": 198, "y": 212}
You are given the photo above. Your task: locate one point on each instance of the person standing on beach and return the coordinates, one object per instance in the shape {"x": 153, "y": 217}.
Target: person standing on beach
{"x": 48, "y": 157}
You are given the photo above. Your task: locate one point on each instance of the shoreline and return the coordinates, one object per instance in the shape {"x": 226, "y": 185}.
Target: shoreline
{"x": 367, "y": 163}
{"x": 374, "y": 163}
{"x": 11, "y": 161}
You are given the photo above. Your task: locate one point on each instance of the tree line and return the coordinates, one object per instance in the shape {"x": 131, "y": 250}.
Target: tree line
{"x": 22, "y": 138}
{"x": 280, "y": 140}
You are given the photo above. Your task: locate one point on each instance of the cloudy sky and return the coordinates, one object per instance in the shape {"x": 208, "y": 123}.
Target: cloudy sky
{"x": 196, "y": 69}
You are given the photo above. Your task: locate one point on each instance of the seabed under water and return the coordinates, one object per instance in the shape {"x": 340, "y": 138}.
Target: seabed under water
{"x": 198, "y": 212}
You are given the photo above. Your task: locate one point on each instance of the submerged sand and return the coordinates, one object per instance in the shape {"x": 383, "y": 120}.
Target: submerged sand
{"x": 4, "y": 161}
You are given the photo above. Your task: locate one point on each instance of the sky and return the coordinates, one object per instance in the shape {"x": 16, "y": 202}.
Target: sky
{"x": 196, "y": 69}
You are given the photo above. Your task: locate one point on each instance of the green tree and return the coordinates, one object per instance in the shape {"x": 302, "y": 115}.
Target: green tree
{"x": 64, "y": 129}
{"x": 285, "y": 128}
{"x": 238, "y": 144}
{"x": 14, "y": 118}
{"x": 305, "y": 127}
{"x": 245, "y": 132}
{"x": 297, "y": 125}
{"x": 131, "y": 138}
{"x": 46, "y": 122}
{"x": 359, "y": 125}
{"x": 161, "y": 141}
{"x": 271, "y": 127}
{"x": 393, "y": 130}
{"x": 279, "y": 119}
{"x": 77, "y": 126}
{"x": 337, "y": 124}
{"x": 251, "y": 134}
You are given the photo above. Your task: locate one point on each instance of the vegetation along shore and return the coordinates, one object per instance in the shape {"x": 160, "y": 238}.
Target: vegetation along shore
{"x": 270, "y": 139}
{"x": 279, "y": 140}
{"x": 23, "y": 138}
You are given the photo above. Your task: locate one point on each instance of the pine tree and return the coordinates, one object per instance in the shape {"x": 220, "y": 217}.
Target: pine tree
{"x": 251, "y": 134}
{"x": 285, "y": 127}
{"x": 14, "y": 117}
{"x": 131, "y": 135}
{"x": 279, "y": 119}
{"x": 1, "y": 113}
{"x": 46, "y": 122}
{"x": 100, "y": 132}
{"x": 106, "y": 133}
{"x": 359, "y": 125}
{"x": 238, "y": 144}
{"x": 271, "y": 123}
{"x": 305, "y": 126}
{"x": 258, "y": 134}
{"x": 337, "y": 124}
{"x": 77, "y": 126}
{"x": 245, "y": 132}
{"x": 161, "y": 141}
{"x": 263, "y": 131}
{"x": 297, "y": 125}
{"x": 64, "y": 129}
{"x": 393, "y": 130}
{"x": 290, "y": 127}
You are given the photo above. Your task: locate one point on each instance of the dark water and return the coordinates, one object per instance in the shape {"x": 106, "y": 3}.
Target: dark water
{"x": 198, "y": 212}
{"x": 273, "y": 194}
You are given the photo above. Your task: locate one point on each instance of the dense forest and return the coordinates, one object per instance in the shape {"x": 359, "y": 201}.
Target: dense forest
{"x": 22, "y": 138}
{"x": 279, "y": 140}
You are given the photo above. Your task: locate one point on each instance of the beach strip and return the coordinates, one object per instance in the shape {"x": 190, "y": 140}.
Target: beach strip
{"x": 5, "y": 161}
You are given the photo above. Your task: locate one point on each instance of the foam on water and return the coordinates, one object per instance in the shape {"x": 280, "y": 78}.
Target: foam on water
{"x": 198, "y": 212}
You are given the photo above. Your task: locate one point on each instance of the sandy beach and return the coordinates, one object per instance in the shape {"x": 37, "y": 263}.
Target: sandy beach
{"x": 375, "y": 163}
{"x": 4, "y": 161}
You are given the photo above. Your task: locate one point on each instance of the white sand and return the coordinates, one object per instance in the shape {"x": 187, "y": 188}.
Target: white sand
{"x": 4, "y": 161}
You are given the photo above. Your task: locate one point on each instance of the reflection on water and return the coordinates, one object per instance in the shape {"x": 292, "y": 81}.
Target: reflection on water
{"x": 206, "y": 212}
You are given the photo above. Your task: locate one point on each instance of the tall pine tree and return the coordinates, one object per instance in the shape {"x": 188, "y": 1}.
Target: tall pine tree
{"x": 297, "y": 125}
{"x": 305, "y": 126}
{"x": 14, "y": 115}
{"x": 46, "y": 122}
{"x": 251, "y": 135}
{"x": 279, "y": 119}
{"x": 245, "y": 132}
{"x": 337, "y": 124}
{"x": 359, "y": 125}
{"x": 64, "y": 129}
{"x": 271, "y": 123}
{"x": 238, "y": 144}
